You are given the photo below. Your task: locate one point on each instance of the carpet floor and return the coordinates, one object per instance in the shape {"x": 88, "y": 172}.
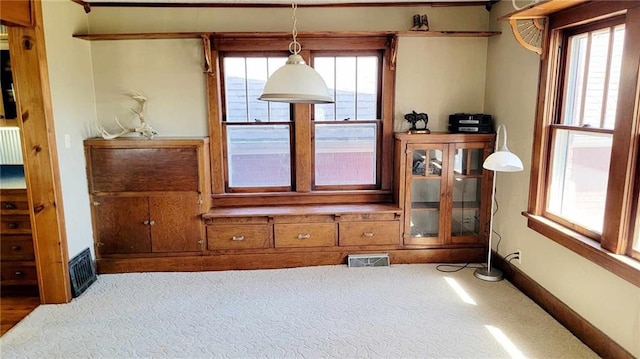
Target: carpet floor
{"x": 402, "y": 311}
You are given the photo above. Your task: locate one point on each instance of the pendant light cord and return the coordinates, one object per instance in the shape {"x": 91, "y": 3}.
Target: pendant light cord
{"x": 294, "y": 46}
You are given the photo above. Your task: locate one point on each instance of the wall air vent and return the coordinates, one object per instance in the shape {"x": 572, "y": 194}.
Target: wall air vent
{"x": 368, "y": 260}
{"x": 82, "y": 272}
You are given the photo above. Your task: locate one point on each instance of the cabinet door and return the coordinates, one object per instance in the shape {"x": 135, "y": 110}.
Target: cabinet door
{"x": 425, "y": 190}
{"x": 175, "y": 223}
{"x": 468, "y": 214}
{"x": 121, "y": 225}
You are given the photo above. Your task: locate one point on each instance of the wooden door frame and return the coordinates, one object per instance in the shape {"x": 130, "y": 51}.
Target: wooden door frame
{"x": 35, "y": 119}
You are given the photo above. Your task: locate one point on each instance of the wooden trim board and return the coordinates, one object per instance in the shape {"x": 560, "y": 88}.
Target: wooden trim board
{"x": 591, "y": 336}
{"x": 35, "y": 118}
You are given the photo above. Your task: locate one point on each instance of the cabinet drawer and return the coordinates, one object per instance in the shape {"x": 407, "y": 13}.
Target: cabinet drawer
{"x": 18, "y": 273}
{"x": 239, "y": 236}
{"x": 305, "y": 235}
{"x": 15, "y": 224}
{"x": 16, "y": 248}
{"x": 370, "y": 233}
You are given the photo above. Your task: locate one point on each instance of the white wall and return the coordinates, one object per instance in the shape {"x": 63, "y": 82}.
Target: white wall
{"x": 438, "y": 76}
{"x": 72, "y": 95}
{"x": 604, "y": 299}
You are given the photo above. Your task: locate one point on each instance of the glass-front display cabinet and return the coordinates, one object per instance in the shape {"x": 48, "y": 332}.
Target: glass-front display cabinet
{"x": 443, "y": 189}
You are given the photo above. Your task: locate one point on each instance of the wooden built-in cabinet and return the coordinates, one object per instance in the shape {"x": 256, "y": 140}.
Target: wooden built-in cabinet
{"x": 290, "y": 228}
{"x": 444, "y": 191}
{"x": 152, "y": 210}
{"x": 16, "y": 253}
{"x": 147, "y": 195}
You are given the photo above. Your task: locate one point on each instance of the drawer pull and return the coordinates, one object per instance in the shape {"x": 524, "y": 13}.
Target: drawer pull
{"x": 16, "y": 248}
{"x": 304, "y": 236}
{"x": 19, "y": 273}
{"x": 10, "y": 206}
{"x": 368, "y": 234}
{"x": 237, "y": 238}
{"x": 13, "y": 225}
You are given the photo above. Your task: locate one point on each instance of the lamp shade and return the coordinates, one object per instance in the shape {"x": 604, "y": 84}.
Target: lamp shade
{"x": 295, "y": 82}
{"x": 503, "y": 161}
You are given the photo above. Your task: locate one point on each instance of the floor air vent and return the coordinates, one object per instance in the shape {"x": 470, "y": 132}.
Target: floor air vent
{"x": 368, "y": 260}
{"x": 82, "y": 272}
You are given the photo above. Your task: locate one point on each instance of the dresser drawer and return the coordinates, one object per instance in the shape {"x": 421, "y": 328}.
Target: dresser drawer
{"x": 16, "y": 248}
{"x": 22, "y": 273}
{"x": 305, "y": 235}
{"x": 370, "y": 233}
{"x": 13, "y": 201}
{"x": 248, "y": 236}
{"x": 15, "y": 224}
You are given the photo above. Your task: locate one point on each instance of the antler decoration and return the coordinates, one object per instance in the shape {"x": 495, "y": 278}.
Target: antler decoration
{"x": 144, "y": 129}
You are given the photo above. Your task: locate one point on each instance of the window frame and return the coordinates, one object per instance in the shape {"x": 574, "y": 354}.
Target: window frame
{"x": 303, "y": 189}
{"x": 612, "y": 252}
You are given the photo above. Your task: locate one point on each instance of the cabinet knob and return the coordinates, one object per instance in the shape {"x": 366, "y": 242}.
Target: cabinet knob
{"x": 13, "y": 225}
{"x": 19, "y": 273}
{"x": 152, "y": 223}
{"x": 368, "y": 234}
{"x": 16, "y": 248}
{"x": 9, "y": 206}
{"x": 146, "y": 223}
{"x": 304, "y": 236}
{"x": 237, "y": 238}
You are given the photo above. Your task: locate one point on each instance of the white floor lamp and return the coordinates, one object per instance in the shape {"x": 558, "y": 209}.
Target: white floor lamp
{"x": 502, "y": 160}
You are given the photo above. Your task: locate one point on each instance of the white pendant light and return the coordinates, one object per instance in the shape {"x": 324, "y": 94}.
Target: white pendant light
{"x": 296, "y": 82}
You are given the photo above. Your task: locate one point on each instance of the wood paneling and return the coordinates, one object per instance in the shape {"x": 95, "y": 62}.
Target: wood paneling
{"x": 31, "y": 83}
{"x": 300, "y": 210}
{"x": 284, "y": 260}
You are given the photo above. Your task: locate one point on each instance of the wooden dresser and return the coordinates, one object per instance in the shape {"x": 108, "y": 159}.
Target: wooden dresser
{"x": 17, "y": 253}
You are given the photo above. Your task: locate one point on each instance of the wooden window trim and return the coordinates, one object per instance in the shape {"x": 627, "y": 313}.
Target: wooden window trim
{"x": 611, "y": 252}
{"x": 302, "y": 191}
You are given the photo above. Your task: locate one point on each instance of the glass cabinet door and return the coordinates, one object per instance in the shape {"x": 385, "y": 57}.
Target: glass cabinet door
{"x": 466, "y": 215}
{"x": 425, "y": 187}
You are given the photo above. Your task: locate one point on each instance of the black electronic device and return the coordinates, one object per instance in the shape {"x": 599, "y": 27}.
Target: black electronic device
{"x": 470, "y": 123}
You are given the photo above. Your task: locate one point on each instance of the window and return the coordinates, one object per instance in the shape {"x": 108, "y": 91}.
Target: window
{"x": 293, "y": 150}
{"x": 347, "y": 131}
{"x": 258, "y": 133}
{"x": 584, "y": 181}
{"x": 581, "y": 136}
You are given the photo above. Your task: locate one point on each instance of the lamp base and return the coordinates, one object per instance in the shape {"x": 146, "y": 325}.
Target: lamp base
{"x": 493, "y": 275}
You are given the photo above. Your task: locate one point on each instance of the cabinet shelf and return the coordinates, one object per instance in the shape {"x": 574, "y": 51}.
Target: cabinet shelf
{"x": 425, "y": 206}
{"x": 475, "y": 174}
{"x": 197, "y": 35}
{"x": 466, "y": 205}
